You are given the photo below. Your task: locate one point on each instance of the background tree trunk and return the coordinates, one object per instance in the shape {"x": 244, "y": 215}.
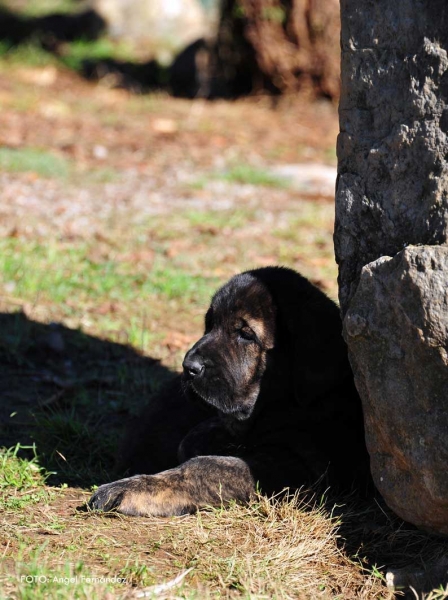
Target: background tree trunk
{"x": 279, "y": 45}
{"x": 391, "y": 233}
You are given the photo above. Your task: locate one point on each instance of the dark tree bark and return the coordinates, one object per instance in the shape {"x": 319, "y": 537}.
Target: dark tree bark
{"x": 391, "y": 236}
{"x": 279, "y": 45}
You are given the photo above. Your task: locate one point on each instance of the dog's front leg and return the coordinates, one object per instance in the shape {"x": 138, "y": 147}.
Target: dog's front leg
{"x": 201, "y": 481}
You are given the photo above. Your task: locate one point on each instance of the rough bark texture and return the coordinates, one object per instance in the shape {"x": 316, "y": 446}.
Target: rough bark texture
{"x": 278, "y": 45}
{"x": 392, "y": 191}
{"x": 295, "y": 41}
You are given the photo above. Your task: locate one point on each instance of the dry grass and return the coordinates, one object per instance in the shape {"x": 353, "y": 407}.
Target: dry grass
{"x": 285, "y": 549}
{"x": 279, "y": 549}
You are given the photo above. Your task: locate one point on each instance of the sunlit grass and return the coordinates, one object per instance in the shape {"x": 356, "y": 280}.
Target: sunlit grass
{"x": 21, "y": 479}
{"x": 59, "y": 272}
{"x": 29, "y": 53}
{"x": 40, "y": 575}
{"x": 41, "y": 7}
{"x": 217, "y": 220}
{"x": 19, "y": 473}
{"x": 246, "y": 174}
{"x": 77, "y": 52}
{"x": 34, "y": 160}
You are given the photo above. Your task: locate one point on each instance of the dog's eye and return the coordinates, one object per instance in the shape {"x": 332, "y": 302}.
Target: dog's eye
{"x": 247, "y": 334}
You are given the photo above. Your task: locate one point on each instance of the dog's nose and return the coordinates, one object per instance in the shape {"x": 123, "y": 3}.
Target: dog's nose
{"x": 193, "y": 367}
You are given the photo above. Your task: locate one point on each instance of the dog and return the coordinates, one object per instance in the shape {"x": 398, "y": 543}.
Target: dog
{"x": 266, "y": 401}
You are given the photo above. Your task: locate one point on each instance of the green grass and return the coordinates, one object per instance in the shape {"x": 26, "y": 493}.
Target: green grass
{"x": 21, "y": 479}
{"x": 38, "y": 577}
{"x": 20, "y": 473}
{"x": 72, "y": 54}
{"x": 63, "y": 272}
{"x": 75, "y": 53}
{"x": 39, "y": 8}
{"x": 246, "y": 174}
{"x": 241, "y": 174}
{"x": 100, "y": 175}
{"x": 137, "y": 572}
{"x": 331, "y": 155}
{"x": 29, "y": 53}
{"x": 218, "y": 220}
{"x": 35, "y": 160}
{"x": 13, "y": 503}
{"x": 49, "y": 165}
{"x": 312, "y": 217}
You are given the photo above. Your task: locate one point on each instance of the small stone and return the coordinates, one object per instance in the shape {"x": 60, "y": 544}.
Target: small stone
{"x": 100, "y": 152}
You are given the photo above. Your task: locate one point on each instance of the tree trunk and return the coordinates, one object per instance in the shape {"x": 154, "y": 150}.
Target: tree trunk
{"x": 391, "y": 237}
{"x": 278, "y": 45}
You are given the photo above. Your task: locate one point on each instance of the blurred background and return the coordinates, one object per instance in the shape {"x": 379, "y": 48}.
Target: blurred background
{"x": 149, "y": 150}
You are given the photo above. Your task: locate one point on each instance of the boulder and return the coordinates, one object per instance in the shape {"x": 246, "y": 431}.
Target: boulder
{"x": 162, "y": 27}
{"x": 397, "y": 331}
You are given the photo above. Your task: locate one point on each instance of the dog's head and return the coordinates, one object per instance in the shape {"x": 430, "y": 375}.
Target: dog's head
{"x": 226, "y": 366}
{"x": 269, "y": 324}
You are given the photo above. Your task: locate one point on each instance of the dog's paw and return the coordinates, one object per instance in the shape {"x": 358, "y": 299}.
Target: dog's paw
{"x": 143, "y": 496}
{"x": 110, "y": 496}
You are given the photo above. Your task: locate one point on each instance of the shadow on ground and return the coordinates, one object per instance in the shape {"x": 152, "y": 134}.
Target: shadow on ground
{"x": 54, "y": 30}
{"x": 50, "y": 29}
{"x": 71, "y": 395}
{"x": 389, "y": 547}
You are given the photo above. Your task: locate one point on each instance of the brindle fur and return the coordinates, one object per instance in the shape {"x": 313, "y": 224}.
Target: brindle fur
{"x": 266, "y": 398}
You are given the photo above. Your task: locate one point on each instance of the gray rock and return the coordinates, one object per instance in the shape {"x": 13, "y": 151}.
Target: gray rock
{"x": 397, "y": 331}
{"x": 392, "y": 187}
{"x": 162, "y": 26}
{"x": 391, "y": 193}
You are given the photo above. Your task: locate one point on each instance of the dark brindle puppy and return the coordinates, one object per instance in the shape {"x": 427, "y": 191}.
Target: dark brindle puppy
{"x": 268, "y": 398}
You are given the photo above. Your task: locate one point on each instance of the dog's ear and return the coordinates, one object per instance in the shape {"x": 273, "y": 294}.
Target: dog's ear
{"x": 319, "y": 350}
{"x": 310, "y": 326}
